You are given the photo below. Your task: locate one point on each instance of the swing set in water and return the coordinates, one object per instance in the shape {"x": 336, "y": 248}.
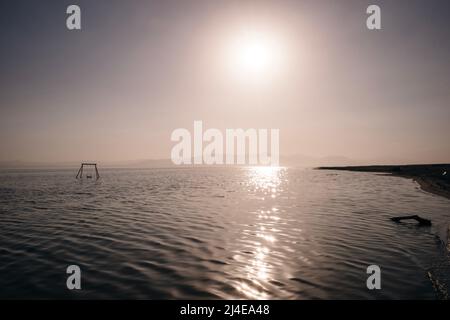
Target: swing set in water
{"x": 80, "y": 171}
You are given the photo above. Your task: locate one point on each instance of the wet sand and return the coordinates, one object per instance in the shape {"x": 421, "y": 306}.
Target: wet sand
{"x": 433, "y": 178}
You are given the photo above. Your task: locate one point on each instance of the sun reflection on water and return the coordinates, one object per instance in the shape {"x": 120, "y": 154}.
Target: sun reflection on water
{"x": 265, "y": 179}
{"x": 259, "y": 271}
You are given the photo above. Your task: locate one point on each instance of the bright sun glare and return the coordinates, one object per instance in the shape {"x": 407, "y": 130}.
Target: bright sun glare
{"x": 254, "y": 55}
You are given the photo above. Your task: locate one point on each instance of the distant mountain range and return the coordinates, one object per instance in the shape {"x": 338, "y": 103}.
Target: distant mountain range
{"x": 290, "y": 161}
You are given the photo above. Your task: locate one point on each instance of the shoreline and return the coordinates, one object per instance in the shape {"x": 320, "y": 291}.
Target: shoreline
{"x": 432, "y": 178}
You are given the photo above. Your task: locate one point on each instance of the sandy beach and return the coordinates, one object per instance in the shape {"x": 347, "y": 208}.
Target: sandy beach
{"x": 433, "y": 178}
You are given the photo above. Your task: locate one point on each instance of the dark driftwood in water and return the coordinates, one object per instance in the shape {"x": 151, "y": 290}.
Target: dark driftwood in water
{"x": 422, "y": 221}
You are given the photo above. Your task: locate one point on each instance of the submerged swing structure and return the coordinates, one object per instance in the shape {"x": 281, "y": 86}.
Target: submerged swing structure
{"x": 80, "y": 171}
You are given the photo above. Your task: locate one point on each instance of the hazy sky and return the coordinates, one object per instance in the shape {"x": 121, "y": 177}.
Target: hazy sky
{"x": 140, "y": 69}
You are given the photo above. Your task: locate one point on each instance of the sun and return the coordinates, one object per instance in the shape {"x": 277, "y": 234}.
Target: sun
{"x": 254, "y": 55}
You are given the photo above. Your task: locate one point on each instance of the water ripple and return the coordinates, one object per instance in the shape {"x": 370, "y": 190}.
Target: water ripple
{"x": 259, "y": 233}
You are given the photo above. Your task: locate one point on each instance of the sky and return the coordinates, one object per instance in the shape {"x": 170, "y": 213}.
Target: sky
{"x": 137, "y": 70}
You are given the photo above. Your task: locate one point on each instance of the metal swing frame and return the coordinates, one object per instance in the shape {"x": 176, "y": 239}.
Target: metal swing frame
{"x": 80, "y": 171}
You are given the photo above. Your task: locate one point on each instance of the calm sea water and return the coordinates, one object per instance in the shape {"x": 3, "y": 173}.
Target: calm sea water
{"x": 252, "y": 233}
